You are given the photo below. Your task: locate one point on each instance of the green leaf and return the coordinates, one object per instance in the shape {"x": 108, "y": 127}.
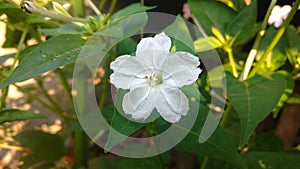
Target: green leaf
{"x": 219, "y": 18}
{"x": 47, "y": 147}
{"x": 18, "y": 115}
{"x": 56, "y": 52}
{"x": 32, "y": 161}
{"x": 237, "y": 5}
{"x": 127, "y": 26}
{"x": 254, "y": 99}
{"x": 205, "y": 44}
{"x": 272, "y": 160}
{"x": 129, "y": 10}
{"x": 132, "y": 163}
{"x": 14, "y": 13}
{"x": 243, "y": 22}
{"x": 120, "y": 124}
{"x": 219, "y": 145}
{"x": 103, "y": 163}
{"x": 71, "y": 29}
{"x": 179, "y": 30}
{"x": 126, "y": 46}
{"x": 290, "y": 84}
{"x": 145, "y": 163}
{"x": 266, "y": 141}
{"x": 292, "y": 49}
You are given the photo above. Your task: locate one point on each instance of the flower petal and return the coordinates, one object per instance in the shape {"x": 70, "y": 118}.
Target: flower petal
{"x": 137, "y": 103}
{"x": 128, "y": 65}
{"x": 181, "y": 69}
{"x": 171, "y": 103}
{"x": 285, "y": 10}
{"x": 120, "y": 80}
{"x": 160, "y": 42}
{"x": 154, "y": 59}
{"x": 128, "y": 71}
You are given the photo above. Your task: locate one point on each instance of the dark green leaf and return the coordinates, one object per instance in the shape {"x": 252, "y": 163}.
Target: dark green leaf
{"x": 272, "y": 160}
{"x": 103, "y": 163}
{"x": 13, "y": 12}
{"x": 237, "y": 5}
{"x": 18, "y": 115}
{"x": 265, "y": 142}
{"x": 63, "y": 30}
{"x": 220, "y": 17}
{"x": 144, "y": 163}
{"x": 126, "y": 47}
{"x": 33, "y": 162}
{"x": 45, "y": 146}
{"x": 179, "y": 31}
{"x": 130, "y": 163}
{"x": 56, "y": 52}
{"x": 254, "y": 99}
{"x": 129, "y": 10}
{"x": 120, "y": 124}
{"x": 242, "y": 23}
{"x": 219, "y": 145}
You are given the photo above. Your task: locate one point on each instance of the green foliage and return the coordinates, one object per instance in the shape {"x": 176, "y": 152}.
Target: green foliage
{"x": 18, "y": 115}
{"x": 52, "y": 54}
{"x": 251, "y": 104}
{"x": 46, "y": 148}
{"x": 220, "y": 18}
{"x": 219, "y": 145}
{"x": 230, "y": 26}
{"x": 271, "y": 160}
{"x": 113, "y": 163}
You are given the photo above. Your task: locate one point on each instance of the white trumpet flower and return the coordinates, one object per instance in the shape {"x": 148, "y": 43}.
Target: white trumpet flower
{"x": 154, "y": 78}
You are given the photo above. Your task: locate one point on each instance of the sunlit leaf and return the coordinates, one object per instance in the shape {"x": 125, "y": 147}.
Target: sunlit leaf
{"x": 56, "y": 52}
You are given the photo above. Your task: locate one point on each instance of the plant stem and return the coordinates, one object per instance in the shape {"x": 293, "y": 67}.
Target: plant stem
{"x": 78, "y": 8}
{"x": 59, "y": 111}
{"x": 19, "y": 49}
{"x": 35, "y": 9}
{"x": 16, "y": 58}
{"x": 81, "y": 141}
{"x": 232, "y": 62}
{"x": 66, "y": 85}
{"x": 226, "y": 116}
{"x": 112, "y": 6}
{"x": 205, "y": 163}
{"x": 253, "y": 51}
{"x": 102, "y": 4}
{"x": 94, "y": 8}
{"x": 103, "y": 89}
{"x": 3, "y": 97}
{"x": 16, "y": 148}
{"x": 36, "y": 98}
{"x": 277, "y": 37}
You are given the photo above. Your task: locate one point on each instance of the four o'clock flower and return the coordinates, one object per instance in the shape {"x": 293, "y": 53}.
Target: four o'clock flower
{"x": 278, "y": 15}
{"x": 154, "y": 78}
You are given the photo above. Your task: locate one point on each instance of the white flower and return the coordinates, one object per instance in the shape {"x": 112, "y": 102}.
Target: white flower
{"x": 154, "y": 77}
{"x": 279, "y": 14}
